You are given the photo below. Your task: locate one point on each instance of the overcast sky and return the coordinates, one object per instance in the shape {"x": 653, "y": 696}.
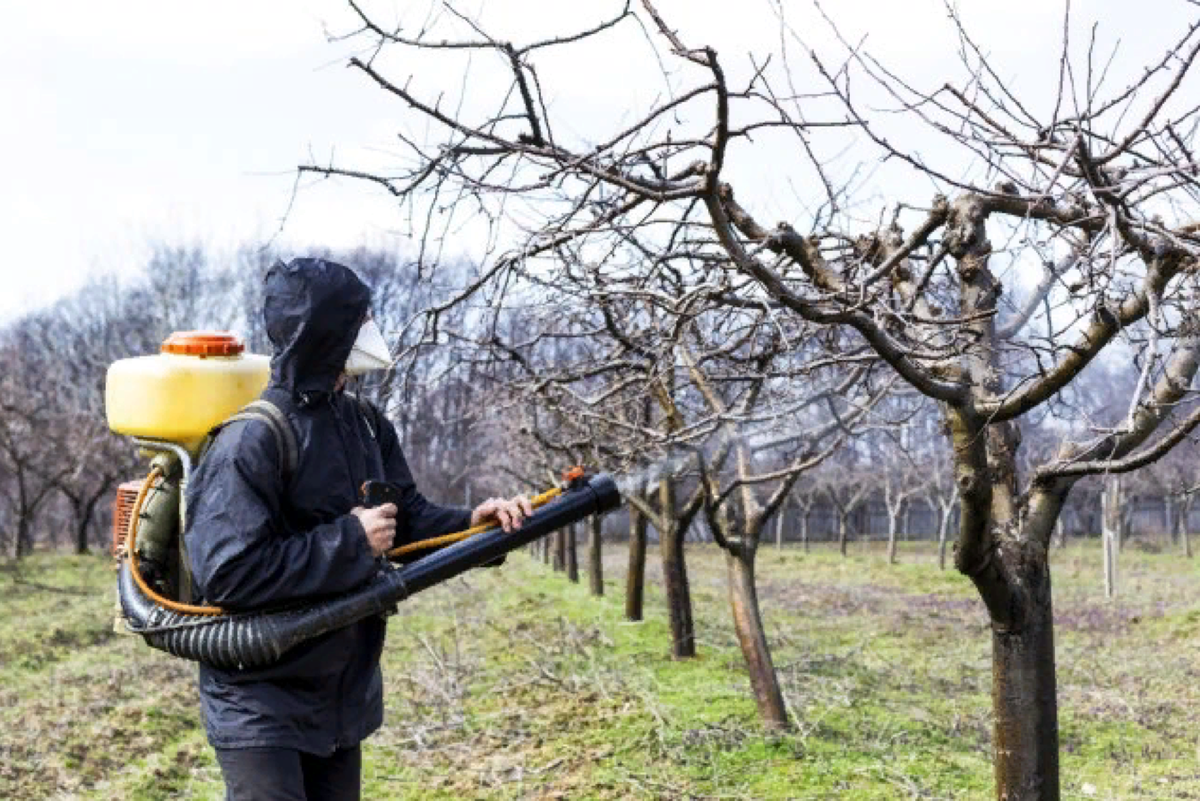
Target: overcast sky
{"x": 127, "y": 121}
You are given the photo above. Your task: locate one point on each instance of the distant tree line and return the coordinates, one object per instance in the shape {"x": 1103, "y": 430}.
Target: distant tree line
{"x": 59, "y": 463}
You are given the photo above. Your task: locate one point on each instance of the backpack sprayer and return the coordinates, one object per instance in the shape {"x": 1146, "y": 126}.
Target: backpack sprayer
{"x": 170, "y": 403}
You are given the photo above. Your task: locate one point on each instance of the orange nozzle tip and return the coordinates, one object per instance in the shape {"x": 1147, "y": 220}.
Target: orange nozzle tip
{"x": 573, "y": 473}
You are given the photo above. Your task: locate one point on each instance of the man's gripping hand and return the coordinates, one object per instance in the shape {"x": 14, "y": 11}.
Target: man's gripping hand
{"x": 379, "y": 523}
{"x": 510, "y": 513}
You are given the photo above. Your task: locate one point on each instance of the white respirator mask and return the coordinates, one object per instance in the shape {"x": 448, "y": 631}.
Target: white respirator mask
{"x": 370, "y": 351}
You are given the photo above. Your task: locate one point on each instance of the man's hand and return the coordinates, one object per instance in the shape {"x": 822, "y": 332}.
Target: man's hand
{"x": 379, "y": 523}
{"x": 509, "y": 513}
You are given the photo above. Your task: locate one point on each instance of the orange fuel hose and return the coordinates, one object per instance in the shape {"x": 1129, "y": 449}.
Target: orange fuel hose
{"x": 190, "y": 609}
{"x": 446, "y": 539}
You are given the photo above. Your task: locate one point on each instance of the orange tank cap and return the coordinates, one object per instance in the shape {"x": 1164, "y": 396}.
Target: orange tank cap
{"x": 203, "y": 343}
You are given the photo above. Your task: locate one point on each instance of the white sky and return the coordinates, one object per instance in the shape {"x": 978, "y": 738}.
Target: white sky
{"x": 126, "y": 121}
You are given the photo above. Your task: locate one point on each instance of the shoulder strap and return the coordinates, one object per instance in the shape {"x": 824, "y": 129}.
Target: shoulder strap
{"x": 367, "y": 412}
{"x": 285, "y": 437}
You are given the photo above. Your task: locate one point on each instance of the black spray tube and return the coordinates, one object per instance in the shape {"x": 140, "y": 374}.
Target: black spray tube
{"x": 255, "y": 640}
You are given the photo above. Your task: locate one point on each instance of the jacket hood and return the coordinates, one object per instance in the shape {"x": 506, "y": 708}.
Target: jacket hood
{"x": 313, "y": 309}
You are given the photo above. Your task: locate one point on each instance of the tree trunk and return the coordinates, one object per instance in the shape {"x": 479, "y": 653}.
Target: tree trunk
{"x": 1185, "y": 519}
{"x": 24, "y": 535}
{"x": 1024, "y": 690}
{"x": 675, "y": 579}
{"x": 595, "y": 565}
{"x": 82, "y": 523}
{"x": 84, "y": 510}
{"x": 1014, "y": 583}
{"x": 560, "y": 550}
{"x": 635, "y": 577}
{"x": 804, "y": 528}
{"x": 943, "y": 527}
{"x": 1003, "y": 549}
{"x": 747, "y": 622}
{"x": 893, "y": 524}
{"x": 1127, "y": 504}
{"x": 1110, "y": 532}
{"x": 1169, "y": 514}
{"x": 779, "y": 527}
{"x": 572, "y": 534}
{"x": 843, "y": 525}
{"x": 679, "y": 598}
{"x": 545, "y": 541}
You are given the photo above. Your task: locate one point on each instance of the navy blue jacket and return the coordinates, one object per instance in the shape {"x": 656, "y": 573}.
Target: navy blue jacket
{"x": 256, "y": 542}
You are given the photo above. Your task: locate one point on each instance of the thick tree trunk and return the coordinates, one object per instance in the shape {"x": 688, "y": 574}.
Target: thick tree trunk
{"x": 675, "y": 579}
{"x": 595, "y": 562}
{"x": 843, "y": 526}
{"x": 679, "y": 597}
{"x": 1004, "y": 536}
{"x": 747, "y": 622}
{"x": 1004, "y": 553}
{"x": 572, "y": 534}
{"x": 1024, "y": 692}
{"x": 635, "y": 577}
{"x": 82, "y": 523}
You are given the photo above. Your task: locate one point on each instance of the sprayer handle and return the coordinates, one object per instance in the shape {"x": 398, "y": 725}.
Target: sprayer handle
{"x": 377, "y": 493}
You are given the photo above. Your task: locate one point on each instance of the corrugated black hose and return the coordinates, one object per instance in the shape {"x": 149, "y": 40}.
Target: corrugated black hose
{"x": 254, "y": 640}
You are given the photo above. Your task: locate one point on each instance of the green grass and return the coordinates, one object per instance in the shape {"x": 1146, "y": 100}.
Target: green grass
{"x": 514, "y": 683}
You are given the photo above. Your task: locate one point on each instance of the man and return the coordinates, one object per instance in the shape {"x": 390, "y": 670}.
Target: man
{"x": 259, "y": 538}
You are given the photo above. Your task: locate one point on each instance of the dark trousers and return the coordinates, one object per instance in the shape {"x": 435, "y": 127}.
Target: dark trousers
{"x": 281, "y": 774}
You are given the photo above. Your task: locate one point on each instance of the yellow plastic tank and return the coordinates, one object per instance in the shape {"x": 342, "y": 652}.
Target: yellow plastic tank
{"x": 199, "y": 379}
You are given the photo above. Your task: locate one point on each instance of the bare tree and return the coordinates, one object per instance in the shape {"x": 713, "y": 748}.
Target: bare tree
{"x": 1093, "y": 190}
{"x": 737, "y": 511}
{"x": 943, "y": 495}
{"x": 32, "y": 470}
{"x": 845, "y": 488}
{"x": 901, "y": 478}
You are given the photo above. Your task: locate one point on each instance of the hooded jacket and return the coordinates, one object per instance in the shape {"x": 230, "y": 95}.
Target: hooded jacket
{"x": 260, "y": 540}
